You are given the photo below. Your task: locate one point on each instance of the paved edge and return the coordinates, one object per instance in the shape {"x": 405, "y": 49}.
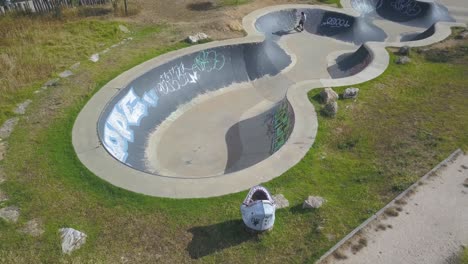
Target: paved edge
{"x": 444, "y": 163}
{"x": 93, "y": 155}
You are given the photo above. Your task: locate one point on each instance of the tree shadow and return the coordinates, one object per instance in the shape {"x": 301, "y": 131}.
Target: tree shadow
{"x": 209, "y": 239}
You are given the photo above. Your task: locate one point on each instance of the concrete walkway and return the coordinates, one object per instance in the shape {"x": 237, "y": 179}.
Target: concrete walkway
{"x": 431, "y": 227}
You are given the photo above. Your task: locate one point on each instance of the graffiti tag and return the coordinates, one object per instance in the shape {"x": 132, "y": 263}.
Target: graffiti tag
{"x": 179, "y": 76}
{"x": 407, "y": 7}
{"x": 281, "y": 126}
{"x": 336, "y": 22}
{"x": 131, "y": 109}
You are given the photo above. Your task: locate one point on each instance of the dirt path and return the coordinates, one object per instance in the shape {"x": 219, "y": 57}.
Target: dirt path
{"x": 432, "y": 227}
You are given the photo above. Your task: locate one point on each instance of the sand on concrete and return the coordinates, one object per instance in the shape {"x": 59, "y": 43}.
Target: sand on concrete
{"x": 431, "y": 228}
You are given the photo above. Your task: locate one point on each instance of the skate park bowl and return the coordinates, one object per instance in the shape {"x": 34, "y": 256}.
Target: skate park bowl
{"x": 221, "y": 117}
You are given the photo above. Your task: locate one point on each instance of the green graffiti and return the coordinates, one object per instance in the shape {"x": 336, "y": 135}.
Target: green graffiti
{"x": 282, "y": 124}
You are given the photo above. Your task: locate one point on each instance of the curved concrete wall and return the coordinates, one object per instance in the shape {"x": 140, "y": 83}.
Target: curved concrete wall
{"x": 350, "y": 64}
{"x": 413, "y": 12}
{"x": 149, "y": 99}
{"x": 320, "y": 22}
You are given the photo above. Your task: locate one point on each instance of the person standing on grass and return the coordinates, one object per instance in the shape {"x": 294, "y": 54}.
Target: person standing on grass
{"x": 302, "y": 20}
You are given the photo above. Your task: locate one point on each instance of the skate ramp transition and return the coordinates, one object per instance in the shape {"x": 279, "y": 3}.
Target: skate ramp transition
{"x": 138, "y": 109}
{"x": 410, "y": 12}
{"x": 323, "y": 23}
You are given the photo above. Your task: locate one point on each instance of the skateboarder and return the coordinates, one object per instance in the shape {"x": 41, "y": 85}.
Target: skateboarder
{"x": 302, "y": 19}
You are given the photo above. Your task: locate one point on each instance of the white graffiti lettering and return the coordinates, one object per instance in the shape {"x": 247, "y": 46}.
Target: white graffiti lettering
{"x": 336, "y": 22}
{"x": 407, "y": 7}
{"x": 179, "y": 76}
{"x": 129, "y": 111}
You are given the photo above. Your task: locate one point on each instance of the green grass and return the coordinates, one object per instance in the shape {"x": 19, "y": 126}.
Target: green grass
{"x": 233, "y": 2}
{"x": 396, "y": 131}
{"x": 464, "y": 257}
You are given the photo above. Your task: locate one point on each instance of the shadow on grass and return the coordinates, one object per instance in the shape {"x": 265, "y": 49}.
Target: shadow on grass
{"x": 201, "y": 6}
{"x": 209, "y": 239}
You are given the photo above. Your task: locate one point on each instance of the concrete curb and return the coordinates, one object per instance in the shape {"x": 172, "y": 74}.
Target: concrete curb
{"x": 444, "y": 163}
{"x": 92, "y": 154}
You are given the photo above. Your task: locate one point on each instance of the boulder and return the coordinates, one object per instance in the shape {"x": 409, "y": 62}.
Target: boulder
{"x": 281, "y": 201}
{"x": 94, "y": 57}
{"x": 331, "y": 109}
{"x": 197, "y": 38}
{"x": 33, "y": 228}
{"x": 124, "y": 29}
{"x": 404, "y": 51}
{"x": 403, "y": 60}
{"x": 21, "y": 108}
{"x": 10, "y": 214}
{"x": 313, "y": 202}
{"x": 328, "y": 95}
{"x": 71, "y": 239}
{"x": 7, "y": 127}
{"x": 351, "y": 93}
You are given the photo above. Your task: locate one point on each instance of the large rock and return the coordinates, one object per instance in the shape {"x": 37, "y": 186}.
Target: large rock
{"x": 351, "y": 93}
{"x": 313, "y": 202}
{"x": 404, "y": 51}
{"x": 197, "y": 38}
{"x": 71, "y": 239}
{"x": 10, "y": 214}
{"x": 331, "y": 109}
{"x": 328, "y": 95}
{"x": 281, "y": 201}
{"x": 403, "y": 60}
{"x": 21, "y": 108}
{"x": 33, "y": 228}
{"x": 7, "y": 127}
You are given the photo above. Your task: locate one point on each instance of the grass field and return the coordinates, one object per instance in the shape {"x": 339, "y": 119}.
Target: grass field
{"x": 403, "y": 123}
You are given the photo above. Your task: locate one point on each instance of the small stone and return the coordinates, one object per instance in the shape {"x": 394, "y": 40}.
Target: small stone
{"x": 33, "y": 228}
{"x": 351, "y": 93}
{"x": 465, "y": 183}
{"x": 281, "y": 201}
{"x": 21, "y": 108}
{"x": 52, "y": 82}
{"x": 105, "y": 51}
{"x": 403, "y": 60}
{"x": 313, "y": 202}
{"x": 71, "y": 239}
{"x": 404, "y": 51}
{"x": 114, "y": 46}
{"x": 235, "y": 25}
{"x": 3, "y": 149}
{"x": 10, "y": 214}
{"x": 328, "y": 95}
{"x": 94, "y": 57}
{"x": 75, "y": 66}
{"x": 331, "y": 109}
{"x": 66, "y": 74}
{"x": 124, "y": 29}
{"x": 8, "y": 127}
{"x": 462, "y": 35}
